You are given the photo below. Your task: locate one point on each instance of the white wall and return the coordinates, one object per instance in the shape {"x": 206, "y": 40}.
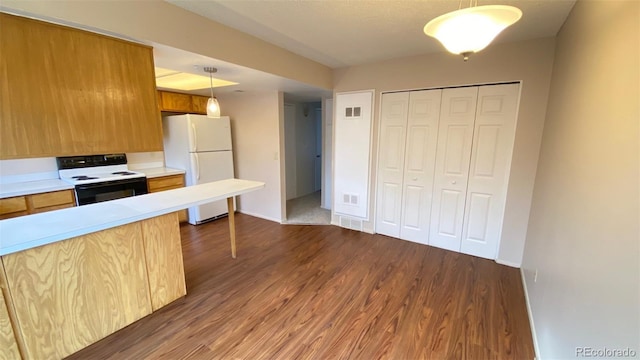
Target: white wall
{"x": 584, "y": 237}
{"x": 527, "y": 61}
{"x": 256, "y": 126}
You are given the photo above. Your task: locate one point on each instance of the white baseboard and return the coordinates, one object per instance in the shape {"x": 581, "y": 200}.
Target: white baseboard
{"x": 536, "y": 349}
{"x": 259, "y": 216}
{"x": 508, "y": 263}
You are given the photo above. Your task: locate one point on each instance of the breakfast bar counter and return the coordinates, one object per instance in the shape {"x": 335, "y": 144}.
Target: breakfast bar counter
{"x": 71, "y": 277}
{"x": 27, "y": 232}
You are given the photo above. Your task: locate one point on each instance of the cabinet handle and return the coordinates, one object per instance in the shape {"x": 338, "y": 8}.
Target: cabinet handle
{"x": 454, "y": 182}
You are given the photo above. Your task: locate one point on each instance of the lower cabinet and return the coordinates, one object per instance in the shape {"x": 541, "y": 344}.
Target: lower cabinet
{"x": 168, "y": 182}
{"x": 13, "y": 207}
{"x": 70, "y": 294}
{"x": 37, "y": 203}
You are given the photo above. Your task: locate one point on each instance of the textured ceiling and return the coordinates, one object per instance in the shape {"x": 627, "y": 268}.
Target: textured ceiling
{"x": 341, "y": 33}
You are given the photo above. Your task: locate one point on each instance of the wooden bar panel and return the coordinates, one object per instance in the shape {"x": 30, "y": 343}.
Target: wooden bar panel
{"x": 164, "y": 259}
{"x": 8, "y": 342}
{"x": 70, "y": 294}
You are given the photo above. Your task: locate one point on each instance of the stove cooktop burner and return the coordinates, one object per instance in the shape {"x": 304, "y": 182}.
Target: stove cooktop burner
{"x": 84, "y": 177}
{"x": 123, "y": 173}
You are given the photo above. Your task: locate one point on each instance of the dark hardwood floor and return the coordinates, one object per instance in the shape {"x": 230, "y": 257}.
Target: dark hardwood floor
{"x": 323, "y": 292}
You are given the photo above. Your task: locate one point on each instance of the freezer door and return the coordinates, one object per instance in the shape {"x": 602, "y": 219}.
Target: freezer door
{"x": 207, "y": 134}
{"x": 207, "y": 167}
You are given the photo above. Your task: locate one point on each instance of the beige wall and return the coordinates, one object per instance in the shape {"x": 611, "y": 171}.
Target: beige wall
{"x": 256, "y": 119}
{"x": 164, "y": 23}
{"x": 529, "y": 62}
{"x": 584, "y": 237}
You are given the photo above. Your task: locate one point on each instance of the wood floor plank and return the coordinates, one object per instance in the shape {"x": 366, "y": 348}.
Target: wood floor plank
{"x": 323, "y": 292}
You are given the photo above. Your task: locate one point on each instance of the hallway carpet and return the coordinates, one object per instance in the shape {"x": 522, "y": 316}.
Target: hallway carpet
{"x": 307, "y": 210}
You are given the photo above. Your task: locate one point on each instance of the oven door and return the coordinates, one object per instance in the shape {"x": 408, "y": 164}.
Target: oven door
{"x": 110, "y": 190}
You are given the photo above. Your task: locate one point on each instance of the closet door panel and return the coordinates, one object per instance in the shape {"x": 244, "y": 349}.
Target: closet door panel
{"x": 393, "y": 126}
{"x": 489, "y": 171}
{"x": 453, "y": 154}
{"x": 420, "y": 155}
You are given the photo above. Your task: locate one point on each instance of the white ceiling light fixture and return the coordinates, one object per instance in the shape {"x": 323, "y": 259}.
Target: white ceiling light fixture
{"x": 467, "y": 31}
{"x": 213, "y": 108}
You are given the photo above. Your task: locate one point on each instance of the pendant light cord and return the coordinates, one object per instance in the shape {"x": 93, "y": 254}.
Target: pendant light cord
{"x": 211, "y": 83}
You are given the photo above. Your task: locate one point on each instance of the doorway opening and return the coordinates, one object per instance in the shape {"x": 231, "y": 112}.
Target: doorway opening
{"x": 306, "y": 172}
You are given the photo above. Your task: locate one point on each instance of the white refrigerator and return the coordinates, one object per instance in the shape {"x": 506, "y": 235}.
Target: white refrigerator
{"x": 202, "y": 147}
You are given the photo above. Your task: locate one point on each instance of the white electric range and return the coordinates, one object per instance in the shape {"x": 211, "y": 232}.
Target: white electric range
{"x": 98, "y": 178}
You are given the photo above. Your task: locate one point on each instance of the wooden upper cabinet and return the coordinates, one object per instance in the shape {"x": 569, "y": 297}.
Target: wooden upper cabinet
{"x": 199, "y": 104}
{"x": 182, "y": 103}
{"x": 177, "y": 102}
{"x": 71, "y": 92}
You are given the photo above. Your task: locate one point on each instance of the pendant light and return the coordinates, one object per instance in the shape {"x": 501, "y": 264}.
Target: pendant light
{"x": 467, "y": 31}
{"x": 213, "y": 108}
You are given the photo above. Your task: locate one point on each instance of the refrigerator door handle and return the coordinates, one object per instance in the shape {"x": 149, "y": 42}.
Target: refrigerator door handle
{"x": 197, "y": 166}
{"x": 194, "y": 135}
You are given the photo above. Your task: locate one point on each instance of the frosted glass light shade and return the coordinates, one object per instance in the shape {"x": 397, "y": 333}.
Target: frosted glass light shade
{"x": 472, "y": 29}
{"x": 213, "y": 108}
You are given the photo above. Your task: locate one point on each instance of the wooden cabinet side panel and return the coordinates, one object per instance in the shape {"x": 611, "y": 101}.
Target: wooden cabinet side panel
{"x": 163, "y": 253}
{"x": 70, "y": 294}
{"x": 68, "y": 92}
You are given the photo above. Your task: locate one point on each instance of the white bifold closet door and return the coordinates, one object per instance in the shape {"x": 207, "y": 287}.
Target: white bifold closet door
{"x": 409, "y": 126}
{"x": 475, "y": 142}
{"x": 455, "y": 135}
{"x": 493, "y": 137}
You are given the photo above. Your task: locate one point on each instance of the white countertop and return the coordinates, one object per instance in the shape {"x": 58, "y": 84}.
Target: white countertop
{"x": 32, "y": 187}
{"x": 30, "y": 231}
{"x": 158, "y": 171}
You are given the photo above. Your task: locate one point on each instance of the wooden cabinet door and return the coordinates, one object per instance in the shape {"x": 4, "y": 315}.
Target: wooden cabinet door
{"x": 72, "y": 293}
{"x": 13, "y": 206}
{"x": 70, "y": 92}
{"x": 50, "y": 201}
{"x": 167, "y": 183}
{"x": 163, "y": 251}
{"x": 199, "y": 104}
{"x": 175, "y": 102}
